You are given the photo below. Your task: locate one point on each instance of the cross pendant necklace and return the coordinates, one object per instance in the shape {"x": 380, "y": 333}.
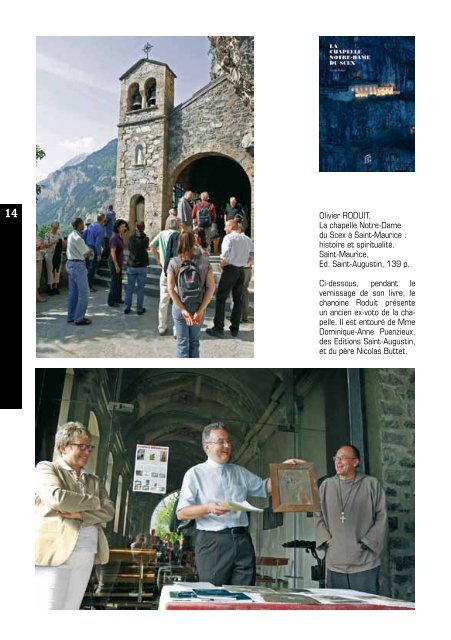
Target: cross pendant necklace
{"x": 343, "y": 506}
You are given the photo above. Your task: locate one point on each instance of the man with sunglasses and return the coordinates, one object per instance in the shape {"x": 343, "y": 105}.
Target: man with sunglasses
{"x": 352, "y": 525}
{"x": 224, "y": 550}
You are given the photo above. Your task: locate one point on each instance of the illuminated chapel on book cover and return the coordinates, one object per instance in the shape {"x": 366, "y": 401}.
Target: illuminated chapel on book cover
{"x": 367, "y": 103}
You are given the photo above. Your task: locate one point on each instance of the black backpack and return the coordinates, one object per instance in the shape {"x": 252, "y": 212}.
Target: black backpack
{"x": 189, "y": 284}
{"x": 183, "y": 527}
{"x": 204, "y": 216}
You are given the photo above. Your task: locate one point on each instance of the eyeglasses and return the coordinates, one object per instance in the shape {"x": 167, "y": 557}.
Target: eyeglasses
{"x": 340, "y": 458}
{"x": 83, "y": 447}
{"x": 220, "y": 442}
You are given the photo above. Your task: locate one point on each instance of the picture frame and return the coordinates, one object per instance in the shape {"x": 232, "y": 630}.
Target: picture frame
{"x": 294, "y": 487}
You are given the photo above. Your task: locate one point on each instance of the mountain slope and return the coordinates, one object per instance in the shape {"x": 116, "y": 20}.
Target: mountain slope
{"x": 79, "y": 190}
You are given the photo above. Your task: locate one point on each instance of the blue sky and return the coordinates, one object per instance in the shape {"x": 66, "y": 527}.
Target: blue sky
{"x": 78, "y": 88}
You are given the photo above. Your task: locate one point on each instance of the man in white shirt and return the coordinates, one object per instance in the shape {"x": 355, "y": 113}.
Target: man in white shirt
{"x": 158, "y": 247}
{"x": 224, "y": 550}
{"x": 77, "y": 275}
{"x": 236, "y": 253}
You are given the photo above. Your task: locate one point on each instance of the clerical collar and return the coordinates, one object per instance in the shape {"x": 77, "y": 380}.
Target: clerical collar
{"x": 214, "y": 464}
{"x": 62, "y": 463}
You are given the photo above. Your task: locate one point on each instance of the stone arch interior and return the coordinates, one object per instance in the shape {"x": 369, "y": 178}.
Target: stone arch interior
{"x": 222, "y": 178}
{"x": 150, "y": 90}
{"x": 109, "y": 472}
{"x": 139, "y": 155}
{"x": 93, "y": 427}
{"x": 136, "y": 213}
{"x": 118, "y": 514}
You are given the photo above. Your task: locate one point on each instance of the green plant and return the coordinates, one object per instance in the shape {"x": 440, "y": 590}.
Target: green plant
{"x": 163, "y": 518}
{"x": 40, "y": 153}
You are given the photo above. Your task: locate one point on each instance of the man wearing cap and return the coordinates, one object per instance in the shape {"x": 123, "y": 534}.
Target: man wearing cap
{"x": 224, "y": 550}
{"x": 352, "y": 524}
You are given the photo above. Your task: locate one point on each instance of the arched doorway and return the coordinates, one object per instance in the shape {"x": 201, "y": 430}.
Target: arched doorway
{"x": 136, "y": 213}
{"x": 117, "y": 514}
{"x": 221, "y": 176}
{"x": 109, "y": 473}
{"x": 93, "y": 427}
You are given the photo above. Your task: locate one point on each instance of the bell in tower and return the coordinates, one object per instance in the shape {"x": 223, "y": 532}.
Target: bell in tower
{"x": 151, "y": 94}
{"x": 136, "y": 100}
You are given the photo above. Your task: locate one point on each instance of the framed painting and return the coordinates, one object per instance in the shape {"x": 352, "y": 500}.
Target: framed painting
{"x": 294, "y": 487}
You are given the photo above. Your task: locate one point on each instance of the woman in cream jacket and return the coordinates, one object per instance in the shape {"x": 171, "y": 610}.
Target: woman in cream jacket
{"x": 71, "y": 506}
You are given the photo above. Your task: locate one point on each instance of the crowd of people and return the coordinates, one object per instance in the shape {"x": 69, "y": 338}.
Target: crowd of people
{"x": 167, "y": 552}
{"x": 182, "y": 250}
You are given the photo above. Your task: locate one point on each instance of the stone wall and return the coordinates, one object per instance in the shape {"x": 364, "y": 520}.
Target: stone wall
{"x": 390, "y": 407}
{"x": 144, "y": 179}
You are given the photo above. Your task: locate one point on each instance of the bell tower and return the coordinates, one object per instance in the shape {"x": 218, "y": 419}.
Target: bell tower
{"x": 147, "y": 98}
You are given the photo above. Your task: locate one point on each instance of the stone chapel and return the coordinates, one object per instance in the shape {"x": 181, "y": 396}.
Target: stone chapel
{"x": 202, "y": 144}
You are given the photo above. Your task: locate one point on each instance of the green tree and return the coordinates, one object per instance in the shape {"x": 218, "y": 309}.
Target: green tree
{"x": 43, "y": 230}
{"x": 40, "y": 153}
{"x": 163, "y": 518}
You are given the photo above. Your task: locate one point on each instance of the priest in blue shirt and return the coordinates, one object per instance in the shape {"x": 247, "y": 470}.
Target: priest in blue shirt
{"x": 224, "y": 550}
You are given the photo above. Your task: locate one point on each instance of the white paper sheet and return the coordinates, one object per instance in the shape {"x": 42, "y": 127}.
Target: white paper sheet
{"x": 239, "y": 506}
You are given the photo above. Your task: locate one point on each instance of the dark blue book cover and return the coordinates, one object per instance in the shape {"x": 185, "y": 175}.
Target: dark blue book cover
{"x": 367, "y": 103}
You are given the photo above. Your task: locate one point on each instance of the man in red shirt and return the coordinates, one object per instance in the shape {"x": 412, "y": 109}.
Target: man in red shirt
{"x": 204, "y": 214}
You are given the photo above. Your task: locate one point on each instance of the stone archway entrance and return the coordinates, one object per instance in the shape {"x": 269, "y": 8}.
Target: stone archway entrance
{"x": 136, "y": 211}
{"x": 221, "y": 176}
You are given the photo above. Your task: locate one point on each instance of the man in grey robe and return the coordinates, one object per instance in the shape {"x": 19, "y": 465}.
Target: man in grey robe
{"x": 185, "y": 209}
{"x": 352, "y": 525}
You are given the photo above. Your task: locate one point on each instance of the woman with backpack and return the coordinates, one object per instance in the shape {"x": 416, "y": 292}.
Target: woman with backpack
{"x": 191, "y": 285}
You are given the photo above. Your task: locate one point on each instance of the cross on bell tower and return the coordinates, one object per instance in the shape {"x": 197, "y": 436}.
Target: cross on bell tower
{"x": 147, "y": 49}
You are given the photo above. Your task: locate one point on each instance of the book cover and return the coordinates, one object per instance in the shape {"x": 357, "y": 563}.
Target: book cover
{"x": 367, "y": 103}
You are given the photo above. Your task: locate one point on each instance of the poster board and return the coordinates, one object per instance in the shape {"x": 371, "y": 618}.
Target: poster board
{"x": 151, "y": 469}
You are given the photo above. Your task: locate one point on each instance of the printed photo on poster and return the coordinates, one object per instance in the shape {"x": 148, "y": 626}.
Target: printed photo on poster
{"x": 151, "y": 469}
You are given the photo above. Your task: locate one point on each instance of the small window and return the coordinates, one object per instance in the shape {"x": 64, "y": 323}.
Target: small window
{"x": 139, "y": 155}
